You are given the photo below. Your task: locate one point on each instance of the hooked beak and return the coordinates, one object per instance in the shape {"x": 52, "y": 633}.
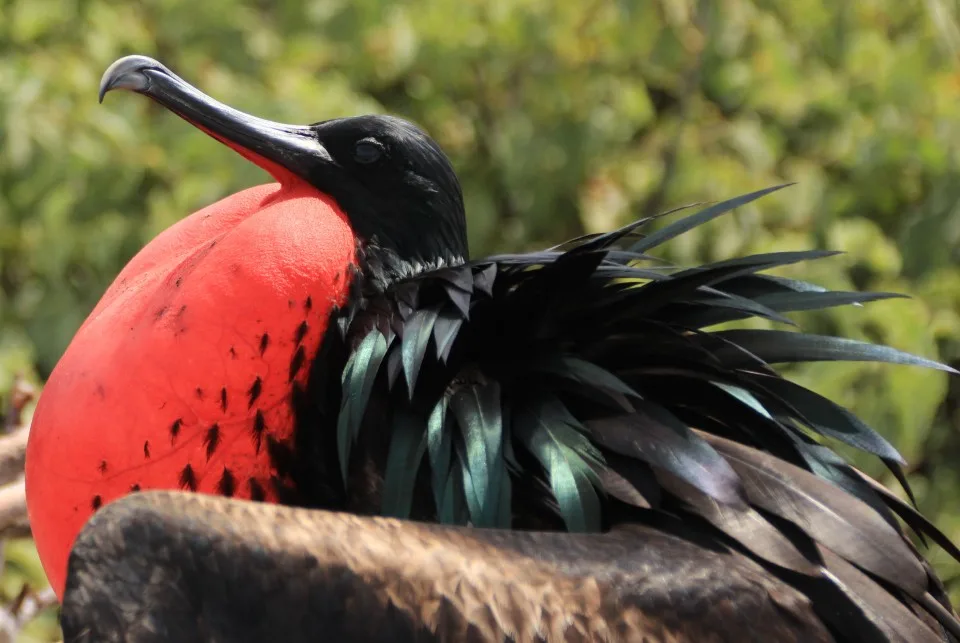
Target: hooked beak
{"x": 273, "y": 146}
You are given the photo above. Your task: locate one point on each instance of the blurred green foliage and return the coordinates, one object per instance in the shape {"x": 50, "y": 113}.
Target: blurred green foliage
{"x": 561, "y": 117}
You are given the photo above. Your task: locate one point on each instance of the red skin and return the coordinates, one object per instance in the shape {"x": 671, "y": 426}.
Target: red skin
{"x": 183, "y": 322}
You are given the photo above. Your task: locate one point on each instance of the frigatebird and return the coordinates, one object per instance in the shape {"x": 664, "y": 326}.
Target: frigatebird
{"x": 305, "y": 413}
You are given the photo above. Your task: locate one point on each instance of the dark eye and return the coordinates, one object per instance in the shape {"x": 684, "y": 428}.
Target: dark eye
{"x": 368, "y": 150}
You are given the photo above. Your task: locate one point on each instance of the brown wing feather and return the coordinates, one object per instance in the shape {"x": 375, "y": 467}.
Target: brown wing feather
{"x": 848, "y": 532}
{"x": 897, "y": 622}
{"x": 834, "y": 518}
{"x": 165, "y": 566}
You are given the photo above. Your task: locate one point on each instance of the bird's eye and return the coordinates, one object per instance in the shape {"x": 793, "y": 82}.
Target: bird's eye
{"x": 368, "y": 150}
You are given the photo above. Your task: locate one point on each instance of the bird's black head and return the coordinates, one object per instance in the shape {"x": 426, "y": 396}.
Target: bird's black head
{"x": 389, "y": 177}
{"x": 396, "y": 185}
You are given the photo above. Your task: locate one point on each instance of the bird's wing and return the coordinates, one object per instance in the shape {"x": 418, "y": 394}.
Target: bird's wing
{"x": 163, "y": 566}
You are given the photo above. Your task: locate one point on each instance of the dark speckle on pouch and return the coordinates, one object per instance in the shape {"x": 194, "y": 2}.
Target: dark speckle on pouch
{"x": 254, "y": 391}
{"x": 298, "y": 359}
{"x": 175, "y": 429}
{"x": 227, "y": 483}
{"x": 259, "y": 426}
{"x": 264, "y": 342}
{"x": 212, "y": 439}
{"x": 256, "y": 490}
{"x": 301, "y": 332}
{"x": 188, "y": 479}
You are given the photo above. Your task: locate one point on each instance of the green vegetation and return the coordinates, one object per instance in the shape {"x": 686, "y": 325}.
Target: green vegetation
{"x": 561, "y": 117}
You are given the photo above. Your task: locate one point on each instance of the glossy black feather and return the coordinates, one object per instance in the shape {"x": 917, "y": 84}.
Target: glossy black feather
{"x": 358, "y": 379}
{"x": 826, "y": 417}
{"x": 707, "y": 214}
{"x": 416, "y": 338}
{"x": 478, "y": 412}
{"x": 777, "y": 347}
{"x": 917, "y": 521}
{"x": 791, "y": 301}
{"x": 408, "y": 442}
{"x": 656, "y": 437}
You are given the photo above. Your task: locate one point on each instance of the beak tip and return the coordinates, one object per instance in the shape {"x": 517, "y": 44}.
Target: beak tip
{"x": 128, "y": 73}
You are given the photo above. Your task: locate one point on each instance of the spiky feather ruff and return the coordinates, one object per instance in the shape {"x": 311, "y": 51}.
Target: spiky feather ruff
{"x": 582, "y": 385}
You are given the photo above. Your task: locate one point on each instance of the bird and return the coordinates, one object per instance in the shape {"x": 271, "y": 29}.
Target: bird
{"x": 306, "y": 412}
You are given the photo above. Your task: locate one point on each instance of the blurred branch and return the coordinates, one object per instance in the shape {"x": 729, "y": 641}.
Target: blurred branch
{"x": 13, "y": 443}
{"x": 13, "y": 450}
{"x": 21, "y": 394}
{"x": 13, "y": 508}
{"x": 13, "y": 505}
{"x": 22, "y": 610}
